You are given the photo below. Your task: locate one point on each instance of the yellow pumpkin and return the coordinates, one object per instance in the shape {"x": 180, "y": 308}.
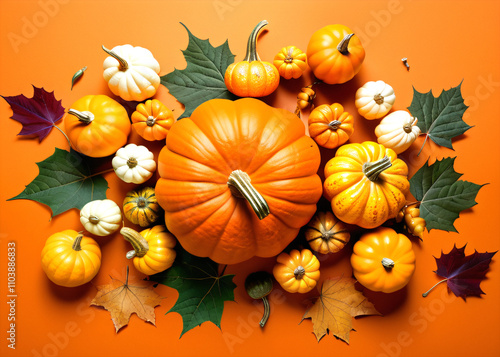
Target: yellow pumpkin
{"x": 69, "y": 259}
{"x": 153, "y": 249}
{"x": 383, "y": 260}
{"x": 366, "y": 184}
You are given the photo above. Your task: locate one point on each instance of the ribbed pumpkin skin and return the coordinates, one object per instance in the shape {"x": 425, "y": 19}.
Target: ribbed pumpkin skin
{"x": 201, "y": 152}
{"x": 354, "y": 198}
{"x": 251, "y": 79}
{"x": 141, "y": 207}
{"x": 326, "y": 62}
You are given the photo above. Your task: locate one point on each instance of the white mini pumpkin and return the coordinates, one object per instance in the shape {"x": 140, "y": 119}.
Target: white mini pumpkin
{"x": 101, "y": 217}
{"x": 132, "y": 73}
{"x": 397, "y": 131}
{"x": 374, "y": 99}
{"x": 134, "y": 163}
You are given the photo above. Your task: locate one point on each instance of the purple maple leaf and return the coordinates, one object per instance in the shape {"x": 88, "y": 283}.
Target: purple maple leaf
{"x": 38, "y": 114}
{"x": 462, "y": 273}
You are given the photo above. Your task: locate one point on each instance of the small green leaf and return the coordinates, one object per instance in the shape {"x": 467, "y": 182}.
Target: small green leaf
{"x": 203, "y": 77}
{"x": 77, "y": 75}
{"x": 202, "y": 290}
{"x": 442, "y": 196}
{"x": 440, "y": 117}
{"x": 64, "y": 181}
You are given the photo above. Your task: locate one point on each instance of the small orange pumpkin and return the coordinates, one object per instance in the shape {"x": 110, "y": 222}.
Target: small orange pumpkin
{"x": 152, "y": 120}
{"x": 252, "y": 77}
{"x": 297, "y": 272}
{"x": 330, "y": 126}
{"x": 290, "y": 62}
{"x": 335, "y": 54}
{"x": 383, "y": 260}
{"x": 97, "y": 125}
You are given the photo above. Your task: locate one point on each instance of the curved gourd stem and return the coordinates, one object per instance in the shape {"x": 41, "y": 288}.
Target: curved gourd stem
{"x": 373, "y": 169}
{"x": 77, "y": 242}
{"x": 123, "y": 63}
{"x": 239, "y": 183}
{"x": 267, "y": 311}
{"x": 251, "y": 54}
{"x": 138, "y": 242}
{"x": 85, "y": 116}
{"x": 342, "y": 46}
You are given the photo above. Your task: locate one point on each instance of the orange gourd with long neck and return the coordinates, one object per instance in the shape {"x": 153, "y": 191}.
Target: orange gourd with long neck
{"x": 252, "y": 77}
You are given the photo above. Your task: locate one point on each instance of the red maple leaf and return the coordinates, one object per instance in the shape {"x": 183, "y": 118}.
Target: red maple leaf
{"x": 38, "y": 114}
{"x": 462, "y": 273}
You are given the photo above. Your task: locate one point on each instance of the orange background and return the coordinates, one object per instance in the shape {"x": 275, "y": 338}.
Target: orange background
{"x": 446, "y": 42}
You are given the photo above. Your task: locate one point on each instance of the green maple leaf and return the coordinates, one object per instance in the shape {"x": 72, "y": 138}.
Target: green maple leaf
{"x": 441, "y": 194}
{"x": 64, "y": 181}
{"x": 202, "y": 290}
{"x": 440, "y": 118}
{"x": 203, "y": 77}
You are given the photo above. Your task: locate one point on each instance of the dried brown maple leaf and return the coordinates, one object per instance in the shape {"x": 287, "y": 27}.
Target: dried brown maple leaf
{"x": 334, "y": 309}
{"x": 122, "y": 300}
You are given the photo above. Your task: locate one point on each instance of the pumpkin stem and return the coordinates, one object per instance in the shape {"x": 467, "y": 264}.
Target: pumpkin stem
{"x": 240, "y": 186}
{"x": 251, "y": 54}
{"x": 334, "y": 124}
{"x": 123, "y": 63}
{"x": 77, "y": 242}
{"x": 373, "y": 169}
{"x": 141, "y": 202}
{"x": 151, "y": 120}
{"x": 408, "y": 126}
{"x": 94, "y": 219}
{"x": 378, "y": 98}
{"x": 299, "y": 272}
{"x": 267, "y": 310}
{"x": 85, "y": 116}
{"x": 289, "y": 58}
{"x": 388, "y": 263}
{"x": 132, "y": 162}
{"x": 342, "y": 46}
{"x": 138, "y": 242}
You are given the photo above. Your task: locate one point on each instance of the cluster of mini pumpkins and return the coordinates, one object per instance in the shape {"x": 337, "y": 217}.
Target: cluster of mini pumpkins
{"x": 99, "y": 126}
{"x": 238, "y": 179}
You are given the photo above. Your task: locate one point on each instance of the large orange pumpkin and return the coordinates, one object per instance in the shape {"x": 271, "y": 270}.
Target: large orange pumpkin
{"x": 238, "y": 179}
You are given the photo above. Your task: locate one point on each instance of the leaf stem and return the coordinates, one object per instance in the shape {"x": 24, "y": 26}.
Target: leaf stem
{"x": 62, "y": 131}
{"x": 428, "y": 291}
{"x": 426, "y": 137}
